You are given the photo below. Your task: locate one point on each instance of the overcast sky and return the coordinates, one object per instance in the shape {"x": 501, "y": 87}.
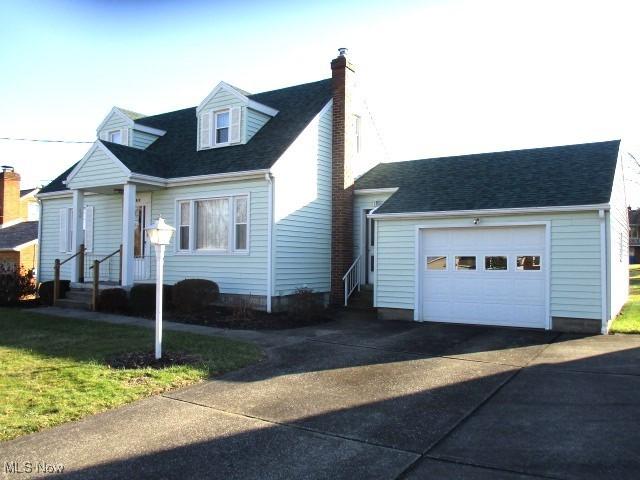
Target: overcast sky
{"x": 441, "y": 77}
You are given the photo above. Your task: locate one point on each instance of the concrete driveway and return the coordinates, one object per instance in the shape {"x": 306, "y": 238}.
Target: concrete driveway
{"x": 366, "y": 399}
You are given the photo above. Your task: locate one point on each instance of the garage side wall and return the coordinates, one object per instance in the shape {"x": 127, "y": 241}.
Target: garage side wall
{"x": 575, "y": 262}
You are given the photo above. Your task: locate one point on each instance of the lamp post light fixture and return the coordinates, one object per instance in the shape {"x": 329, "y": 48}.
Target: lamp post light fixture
{"x": 160, "y": 234}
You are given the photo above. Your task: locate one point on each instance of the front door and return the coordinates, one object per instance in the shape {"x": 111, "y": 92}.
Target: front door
{"x": 142, "y": 266}
{"x": 369, "y": 249}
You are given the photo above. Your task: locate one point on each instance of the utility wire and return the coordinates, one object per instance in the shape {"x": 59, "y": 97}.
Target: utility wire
{"x": 40, "y": 140}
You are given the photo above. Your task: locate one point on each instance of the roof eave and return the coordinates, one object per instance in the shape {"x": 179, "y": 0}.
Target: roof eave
{"x": 489, "y": 212}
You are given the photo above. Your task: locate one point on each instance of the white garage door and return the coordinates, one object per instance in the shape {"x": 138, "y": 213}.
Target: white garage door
{"x": 488, "y": 276}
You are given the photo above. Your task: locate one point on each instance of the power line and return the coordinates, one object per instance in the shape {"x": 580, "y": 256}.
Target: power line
{"x": 13, "y": 139}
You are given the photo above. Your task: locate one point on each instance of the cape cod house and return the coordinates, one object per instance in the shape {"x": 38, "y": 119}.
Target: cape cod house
{"x": 278, "y": 190}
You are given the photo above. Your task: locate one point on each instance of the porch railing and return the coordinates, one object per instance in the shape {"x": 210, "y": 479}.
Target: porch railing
{"x": 57, "y": 264}
{"x": 351, "y": 279}
{"x": 110, "y": 268}
{"x": 95, "y": 267}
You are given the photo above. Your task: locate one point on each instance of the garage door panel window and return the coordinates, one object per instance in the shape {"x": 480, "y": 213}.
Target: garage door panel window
{"x": 495, "y": 263}
{"x": 465, "y": 263}
{"x": 528, "y": 262}
{"x": 437, "y": 262}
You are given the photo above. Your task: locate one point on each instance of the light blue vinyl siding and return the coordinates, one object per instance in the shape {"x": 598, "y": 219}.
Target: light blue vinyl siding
{"x": 575, "y": 261}
{"x": 255, "y": 121}
{"x": 142, "y": 140}
{"x": 49, "y": 242}
{"x": 234, "y": 273}
{"x": 107, "y": 231}
{"x": 114, "y": 122}
{"x": 98, "y": 170}
{"x": 302, "y": 189}
{"x": 360, "y": 204}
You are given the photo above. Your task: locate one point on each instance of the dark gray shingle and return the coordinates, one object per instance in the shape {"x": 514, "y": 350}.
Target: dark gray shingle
{"x": 540, "y": 177}
{"x": 18, "y": 234}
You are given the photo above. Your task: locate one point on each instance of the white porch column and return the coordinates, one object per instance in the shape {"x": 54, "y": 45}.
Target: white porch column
{"x": 77, "y": 230}
{"x": 128, "y": 223}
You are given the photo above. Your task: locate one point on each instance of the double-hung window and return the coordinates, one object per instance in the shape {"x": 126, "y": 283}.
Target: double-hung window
{"x": 214, "y": 225}
{"x": 222, "y": 127}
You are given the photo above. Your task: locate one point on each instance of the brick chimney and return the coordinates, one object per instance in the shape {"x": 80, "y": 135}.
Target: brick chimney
{"x": 343, "y": 78}
{"x": 9, "y": 195}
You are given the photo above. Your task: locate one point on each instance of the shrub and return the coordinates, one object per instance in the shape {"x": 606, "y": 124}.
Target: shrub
{"x": 45, "y": 291}
{"x": 113, "y": 300}
{"x": 305, "y": 304}
{"x": 142, "y": 298}
{"x": 15, "y": 284}
{"x": 194, "y": 295}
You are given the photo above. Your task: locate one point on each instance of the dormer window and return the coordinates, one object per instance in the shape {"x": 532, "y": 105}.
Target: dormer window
{"x": 115, "y": 136}
{"x": 222, "y": 127}
{"x": 219, "y": 128}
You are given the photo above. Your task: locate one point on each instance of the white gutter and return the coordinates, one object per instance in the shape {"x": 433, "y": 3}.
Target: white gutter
{"x": 372, "y": 191}
{"x": 216, "y": 177}
{"x": 269, "y": 180}
{"x": 59, "y": 194}
{"x": 39, "y": 265}
{"x": 151, "y": 130}
{"x": 603, "y": 269}
{"x": 17, "y": 248}
{"x": 494, "y": 211}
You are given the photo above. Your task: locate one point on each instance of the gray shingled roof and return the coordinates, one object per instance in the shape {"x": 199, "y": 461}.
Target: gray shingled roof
{"x": 18, "y": 234}
{"x": 540, "y": 177}
{"x": 26, "y": 191}
{"x": 175, "y": 155}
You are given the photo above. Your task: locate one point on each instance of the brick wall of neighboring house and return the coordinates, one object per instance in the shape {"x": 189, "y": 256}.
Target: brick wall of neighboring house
{"x": 9, "y": 196}
{"x": 343, "y": 77}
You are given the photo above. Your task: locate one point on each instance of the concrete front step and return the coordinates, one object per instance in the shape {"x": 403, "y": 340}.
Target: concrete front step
{"x": 79, "y": 295}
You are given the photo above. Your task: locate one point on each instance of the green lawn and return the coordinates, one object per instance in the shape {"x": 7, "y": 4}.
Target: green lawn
{"x": 629, "y": 319}
{"x": 52, "y": 369}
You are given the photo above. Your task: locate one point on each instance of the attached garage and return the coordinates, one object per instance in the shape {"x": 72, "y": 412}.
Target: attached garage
{"x": 485, "y": 276}
{"x": 528, "y": 238}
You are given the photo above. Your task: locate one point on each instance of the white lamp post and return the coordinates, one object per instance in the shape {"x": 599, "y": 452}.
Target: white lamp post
{"x": 159, "y": 235}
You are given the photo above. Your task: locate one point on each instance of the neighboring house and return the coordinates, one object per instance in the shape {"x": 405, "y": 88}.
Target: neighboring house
{"x": 18, "y": 221}
{"x": 634, "y": 236}
{"x": 529, "y": 238}
{"x": 261, "y": 191}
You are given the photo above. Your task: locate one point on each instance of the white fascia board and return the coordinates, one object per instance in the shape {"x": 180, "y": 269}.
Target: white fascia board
{"x": 226, "y": 87}
{"x": 151, "y": 130}
{"x": 488, "y": 212}
{"x": 117, "y": 111}
{"x": 374, "y": 191}
{"x": 148, "y": 179}
{"x": 272, "y": 112}
{"x": 97, "y": 144}
{"x": 60, "y": 194}
{"x": 216, "y": 177}
{"x": 260, "y": 107}
{"x": 32, "y": 193}
{"x": 17, "y": 248}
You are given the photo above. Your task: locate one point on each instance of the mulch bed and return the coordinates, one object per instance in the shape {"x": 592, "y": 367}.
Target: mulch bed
{"x": 222, "y": 317}
{"x": 132, "y": 360}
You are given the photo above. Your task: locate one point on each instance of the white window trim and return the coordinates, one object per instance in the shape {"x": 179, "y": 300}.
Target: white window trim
{"x": 230, "y": 250}
{"x": 214, "y": 125}
{"x": 116, "y": 130}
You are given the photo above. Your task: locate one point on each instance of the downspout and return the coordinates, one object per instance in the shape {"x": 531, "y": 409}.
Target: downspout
{"x": 269, "y": 180}
{"x": 603, "y": 269}
{"x": 39, "y": 267}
